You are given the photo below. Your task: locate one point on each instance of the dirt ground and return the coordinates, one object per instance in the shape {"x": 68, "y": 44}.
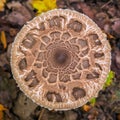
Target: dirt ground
{"x": 106, "y": 13}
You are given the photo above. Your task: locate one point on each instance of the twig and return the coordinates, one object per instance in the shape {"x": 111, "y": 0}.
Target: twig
{"x": 67, "y": 3}
{"x": 106, "y": 4}
{"x": 66, "y": 118}
{"x": 41, "y": 113}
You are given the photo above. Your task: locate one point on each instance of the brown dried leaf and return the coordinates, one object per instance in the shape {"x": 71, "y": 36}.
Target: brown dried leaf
{"x": 87, "y": 10}
{"x": 101, "y": 19}
{"x": 117, "y": 52}
{"x": 110, "y": 36}
{"x": 116, "y": 27}
{"x": 20, "y": 14}
{"x": 3, "y": 39}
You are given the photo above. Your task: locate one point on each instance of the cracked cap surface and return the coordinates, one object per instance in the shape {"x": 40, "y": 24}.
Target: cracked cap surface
{"x": 60, "y": 59}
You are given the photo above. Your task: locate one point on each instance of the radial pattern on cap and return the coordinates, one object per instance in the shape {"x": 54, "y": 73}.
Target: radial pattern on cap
{"x": 60, "y": 59}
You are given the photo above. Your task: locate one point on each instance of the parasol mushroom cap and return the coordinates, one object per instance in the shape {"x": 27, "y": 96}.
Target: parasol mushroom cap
{"x": 60, "y": 59}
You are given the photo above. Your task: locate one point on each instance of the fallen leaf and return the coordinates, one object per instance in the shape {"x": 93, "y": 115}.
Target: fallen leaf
{"x": 117, "y": 58}
{"x": 3, "y": 39}
{"x": 93, "y": 101}
{"x": 19, "y": 15}
{"x": 74, "y": 1}
{"x": 2, "y": 108}
{"x": 69, "y": 115}
{"x": 2, "y": 4}
{"x": 1, "y": 115}
{"x": 101, "y": 19}
{"x": 3, "y": 60}
{"x": 112, "y": 11}
{"x": 13, "y": 4}
{"x": 87, "y": 10}
{"x": 110, "y": 36}
{"x": 43, "y": 5}
{"x": 116, "y": 61}
{"x": 116, "y": 27}
{"x": 109, "y": 79}
{"x": 13, "y": 31}
{"x": 86, "y": 107}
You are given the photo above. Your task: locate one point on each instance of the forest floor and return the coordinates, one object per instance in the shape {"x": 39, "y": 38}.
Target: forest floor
{"x": 14, "y": 105}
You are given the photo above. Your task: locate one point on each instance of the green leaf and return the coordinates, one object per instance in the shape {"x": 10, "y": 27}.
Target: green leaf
{"x": 93, "y": 101}
{"x": 109, "y": 79}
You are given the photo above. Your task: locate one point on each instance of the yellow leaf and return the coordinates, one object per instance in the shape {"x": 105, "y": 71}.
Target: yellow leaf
{"x": 50, "y": 4}
{"x": 2, "y": 3}
{"x": 39, "y": 6}
{"x": 43, "y": 5}
{"x": 86, "y": 107}
{"x": 2, "y": 108}
{"x": 3, "y": 39}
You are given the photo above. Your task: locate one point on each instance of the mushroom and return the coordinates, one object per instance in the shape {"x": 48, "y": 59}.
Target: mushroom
{"x": 60, "y": 59}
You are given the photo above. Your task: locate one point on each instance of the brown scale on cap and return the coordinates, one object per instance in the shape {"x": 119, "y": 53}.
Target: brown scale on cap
{"x": 61, "y": 62}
